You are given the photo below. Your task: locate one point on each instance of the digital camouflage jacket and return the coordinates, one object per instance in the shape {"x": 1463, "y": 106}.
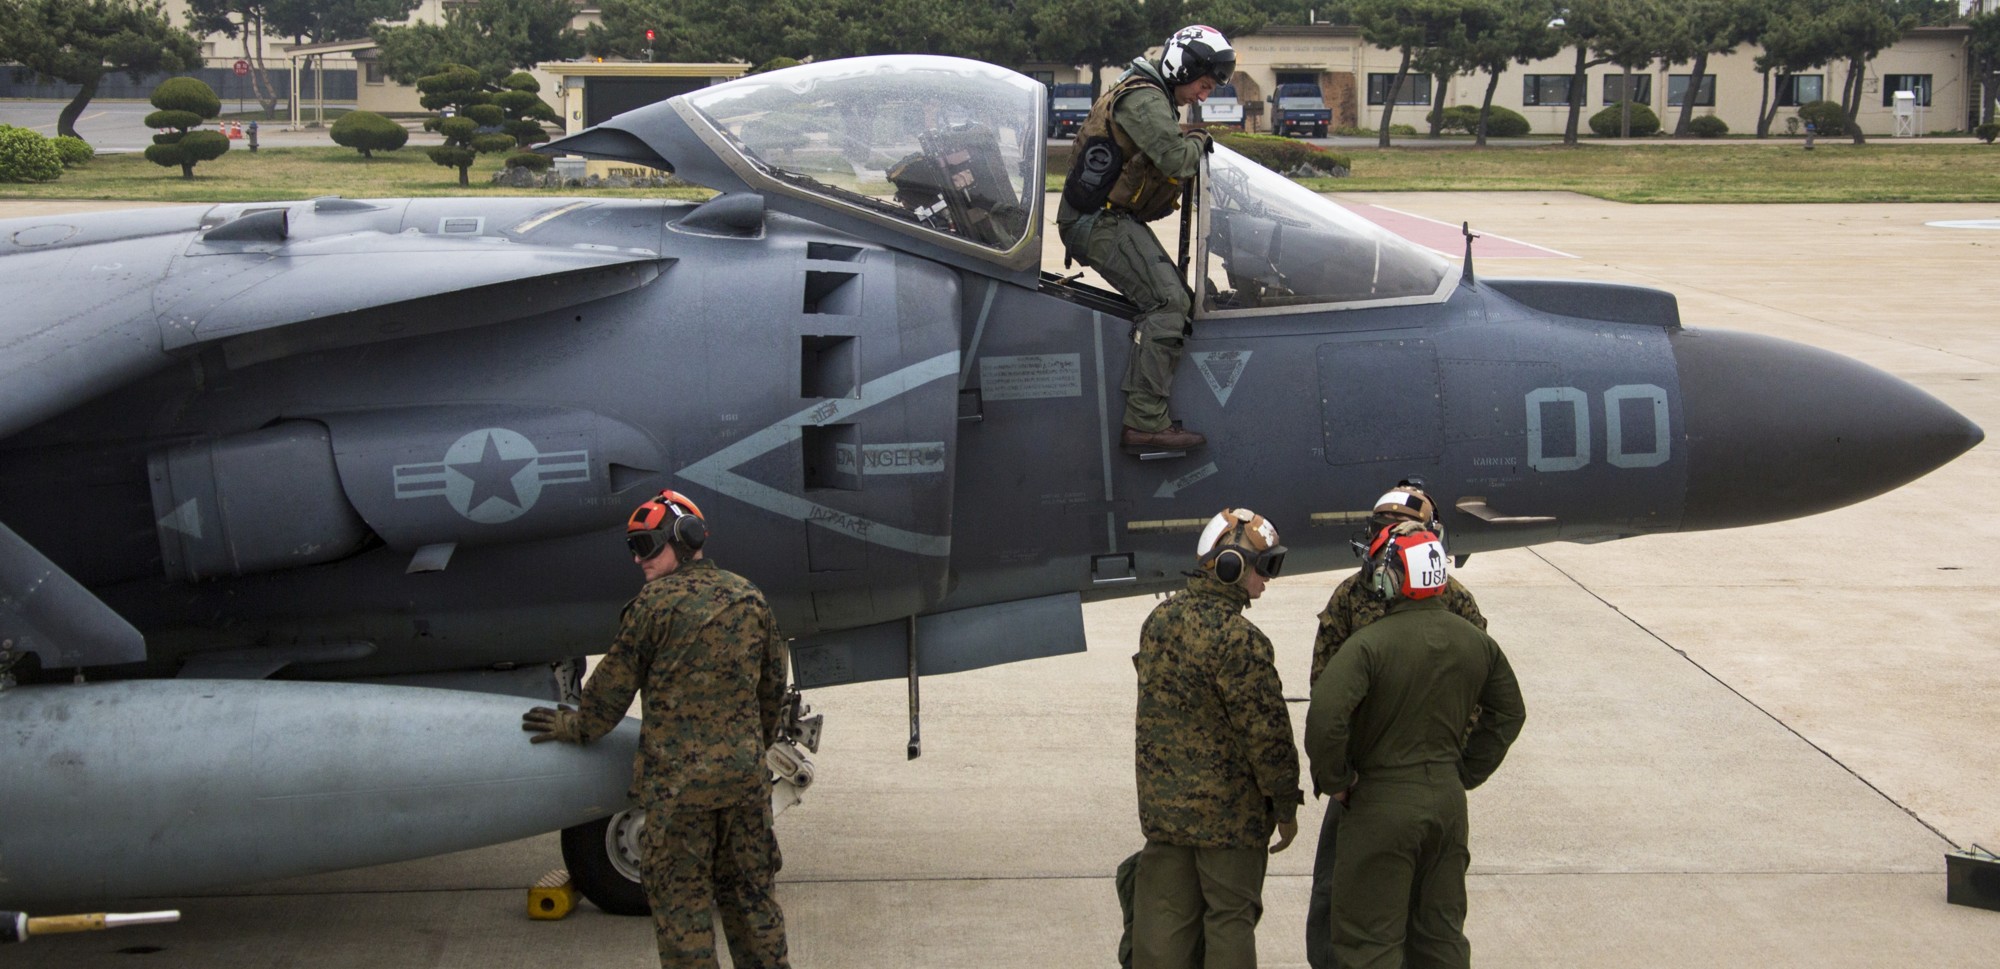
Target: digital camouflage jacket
{"x": 703, "y": 647}
{"x": 1215, "y": 760}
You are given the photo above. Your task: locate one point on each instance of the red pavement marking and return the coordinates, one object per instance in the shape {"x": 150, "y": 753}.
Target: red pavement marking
{"x": 1447, "y": 238}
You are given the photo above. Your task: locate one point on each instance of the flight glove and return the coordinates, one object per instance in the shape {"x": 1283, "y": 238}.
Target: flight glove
{"x": 560, "y": 723}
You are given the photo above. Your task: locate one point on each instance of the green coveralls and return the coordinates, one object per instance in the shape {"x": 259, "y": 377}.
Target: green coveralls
{"x": 1349, "y": 608}
{"x": 1130, "y": 257}
{"x": 1391, "y": 707}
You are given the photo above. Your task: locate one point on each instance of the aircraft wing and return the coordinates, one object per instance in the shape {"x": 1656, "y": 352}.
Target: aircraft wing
{"x": 149, "y": 287}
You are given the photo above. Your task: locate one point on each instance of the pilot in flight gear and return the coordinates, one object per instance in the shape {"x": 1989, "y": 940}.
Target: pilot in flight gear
{"x": 1352, "y": 606}
{"x": 702, "y": 647}
{"x": 1216, "y": 768}
{"x": 1386, "y": 734}
{"x": 1130, "y": 163}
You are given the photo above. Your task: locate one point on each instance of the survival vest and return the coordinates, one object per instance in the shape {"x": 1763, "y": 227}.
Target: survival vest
{"x": 1103, "y": 148}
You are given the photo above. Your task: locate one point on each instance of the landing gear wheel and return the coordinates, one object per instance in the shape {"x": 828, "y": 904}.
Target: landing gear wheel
{"x": 603, "y": 860}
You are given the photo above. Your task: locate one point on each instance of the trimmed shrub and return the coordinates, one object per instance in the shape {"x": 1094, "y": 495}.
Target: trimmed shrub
{"x": 1606, "y": 123}
{"x": 26, "y": 156}
{"x": 452, "y": 156}
{"x": 74, "y": 151}
{"x": 1826, "y": 117}
{"x": 1987, "y": 132}
{"x": 1708, "y": 126}
{"x": 530, "y": 160}
{"x": 485, "y": 115}
{"x": 188, "y": 150}
{"x": 180, "y": 120}
{"x": 184, "y": 102}
{"x": 522, "y": 81}
{"x": 1281, "y": 154}
{"x": 368, "y": 132}
{"x": 1502, "y": 123}
{"x": 1458, "y": 117}
{"x": 526, "y": 132}
{"x": 458, "y": 130}
{"x": 186, "y": 94}
{"x": 489, "y": 144}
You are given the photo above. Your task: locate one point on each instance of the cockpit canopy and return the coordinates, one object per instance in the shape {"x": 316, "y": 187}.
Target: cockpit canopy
{"x": 947, "y": 154}
{"x": 1271, "y": 245}
{"x": 939, "y": 144}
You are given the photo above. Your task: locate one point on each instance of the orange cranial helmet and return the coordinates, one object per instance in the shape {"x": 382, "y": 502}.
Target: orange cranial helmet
{"x": 668, "y": 518}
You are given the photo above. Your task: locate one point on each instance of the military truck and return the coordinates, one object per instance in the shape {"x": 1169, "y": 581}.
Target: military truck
{"x": 1298, "y": 109}
{"x": 1069, "y": 104}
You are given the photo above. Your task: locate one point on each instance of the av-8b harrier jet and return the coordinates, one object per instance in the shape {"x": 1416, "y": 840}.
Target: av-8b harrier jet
{"x": 267, "y": 469}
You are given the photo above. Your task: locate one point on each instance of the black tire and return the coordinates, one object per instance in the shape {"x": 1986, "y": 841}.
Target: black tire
{"x": 587, "y": 853}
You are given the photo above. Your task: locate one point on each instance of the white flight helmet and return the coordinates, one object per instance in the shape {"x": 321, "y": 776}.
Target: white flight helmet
{"x": 1196, "y": 51}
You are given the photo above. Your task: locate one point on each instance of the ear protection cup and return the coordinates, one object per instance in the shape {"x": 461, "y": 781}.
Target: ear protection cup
{"x": 689, "y": 531}
{"x": 1229, "y": 566}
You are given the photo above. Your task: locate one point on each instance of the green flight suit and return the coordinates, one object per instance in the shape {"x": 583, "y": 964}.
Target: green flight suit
{"x": 1117, "y": 243}
{"x": 1391, "y": 709}
{"x": 1351, "y": 607}
{"x": 1216, "y": 771}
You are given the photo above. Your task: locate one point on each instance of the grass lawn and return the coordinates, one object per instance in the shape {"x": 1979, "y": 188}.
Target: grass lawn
{"x": 1779, "y": 171}
{"x": 286, "y": 173}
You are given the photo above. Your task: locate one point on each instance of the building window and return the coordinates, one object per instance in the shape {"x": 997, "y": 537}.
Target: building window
{"x": 1798, "y": 89}
{"x": 1545, "y": 89}
{"x": 372, "y": 71}
{"x": 1416, "y": 89}
{"x": 1677, "y": 89}
{"x": 1920, "y": 84}
{"x": 1642, "y": 88}
{"x": 1048, "y": 78}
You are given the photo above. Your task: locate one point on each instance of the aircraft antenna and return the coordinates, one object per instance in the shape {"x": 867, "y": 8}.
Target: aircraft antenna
{"x": 1466, "y": 227}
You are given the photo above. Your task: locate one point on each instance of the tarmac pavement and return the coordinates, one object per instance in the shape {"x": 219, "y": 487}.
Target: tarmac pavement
{"x": 1743, "y": 748}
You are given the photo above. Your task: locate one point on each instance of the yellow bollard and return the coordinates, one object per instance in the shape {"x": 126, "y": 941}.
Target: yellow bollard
{"x": 552, "y": 897}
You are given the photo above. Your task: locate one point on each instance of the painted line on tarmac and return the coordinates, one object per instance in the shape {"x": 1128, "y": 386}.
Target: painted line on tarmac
{"x": 1447, "y": 238}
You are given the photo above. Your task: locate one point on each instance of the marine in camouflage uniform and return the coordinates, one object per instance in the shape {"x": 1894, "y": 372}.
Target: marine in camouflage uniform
{"x": 702, "y": 646}
{"x": 1389, "y": 711}
{"x": 1217, "y": 773}
{"x": 1140, "y": 113}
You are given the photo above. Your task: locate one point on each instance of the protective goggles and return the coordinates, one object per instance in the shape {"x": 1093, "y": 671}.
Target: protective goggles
{"x": 1269, "y": 562}
{"x": 647, "y": 544}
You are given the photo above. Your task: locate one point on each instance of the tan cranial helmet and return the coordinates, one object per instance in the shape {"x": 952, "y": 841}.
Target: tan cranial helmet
{"x": 1239, "y": 537}
{"x": 1408, "y": 502}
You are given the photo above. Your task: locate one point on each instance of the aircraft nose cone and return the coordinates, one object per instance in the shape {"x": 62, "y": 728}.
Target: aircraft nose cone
{"x": 1780, "y": 430}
